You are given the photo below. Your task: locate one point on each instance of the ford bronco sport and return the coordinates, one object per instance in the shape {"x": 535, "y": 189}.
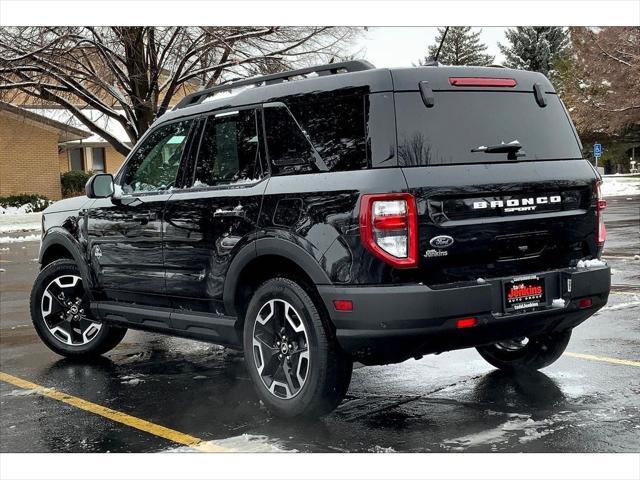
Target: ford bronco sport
{"x": 336, "y": 214}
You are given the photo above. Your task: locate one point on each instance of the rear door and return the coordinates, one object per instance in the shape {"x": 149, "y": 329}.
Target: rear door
{"x": 214, "y": 215}
{"x": 500, "y": 185}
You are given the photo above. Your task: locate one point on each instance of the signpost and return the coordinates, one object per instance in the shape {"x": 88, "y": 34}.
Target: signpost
{"x": 597, "y": 152}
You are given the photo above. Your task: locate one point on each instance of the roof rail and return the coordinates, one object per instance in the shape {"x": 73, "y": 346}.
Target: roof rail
{"x": 328, "y": 69}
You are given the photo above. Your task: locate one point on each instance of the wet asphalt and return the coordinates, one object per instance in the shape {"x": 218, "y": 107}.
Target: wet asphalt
{"x": 446, "y": 403}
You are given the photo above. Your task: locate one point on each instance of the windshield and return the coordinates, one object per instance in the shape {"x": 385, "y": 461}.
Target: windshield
{"x": 471, "y": 126}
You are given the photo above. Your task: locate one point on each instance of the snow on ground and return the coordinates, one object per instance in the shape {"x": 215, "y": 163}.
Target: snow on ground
{"x": 26, "y": 238}
{"x": 20, "y": 222}
{"x": 19, "y": 219}
{"x": 244, "y": 443}
{"x": 620, "y": 185}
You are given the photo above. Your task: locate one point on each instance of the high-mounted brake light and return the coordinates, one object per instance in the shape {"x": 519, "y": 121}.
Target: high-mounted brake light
{"x": 389, "y": 228}
{"x": 601, "y": 204}
{"x": 482, "y": 82}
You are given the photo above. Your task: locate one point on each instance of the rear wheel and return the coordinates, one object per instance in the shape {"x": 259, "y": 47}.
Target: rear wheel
{"x": 61, "y": 316}
{"x": 295, "y": 363}
{"x": 526, "y": 353}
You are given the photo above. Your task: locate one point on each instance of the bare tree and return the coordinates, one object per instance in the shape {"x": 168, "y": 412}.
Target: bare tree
{"x": 134, "y": 74}
{"x": 600, "y": 80}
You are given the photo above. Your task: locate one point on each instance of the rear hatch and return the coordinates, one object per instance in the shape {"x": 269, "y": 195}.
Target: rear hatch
{"x": 496, "y": 169}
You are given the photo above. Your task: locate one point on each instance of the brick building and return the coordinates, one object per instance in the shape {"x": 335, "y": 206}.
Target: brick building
{"x": 41, "y": 141}
{"x": 29, "y": 151}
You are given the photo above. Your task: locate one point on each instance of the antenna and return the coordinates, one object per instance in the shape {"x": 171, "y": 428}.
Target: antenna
{"x": 444, "y": 35}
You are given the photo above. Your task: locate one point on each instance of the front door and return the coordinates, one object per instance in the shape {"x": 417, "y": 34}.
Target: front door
{"x": 125, "y": 233}
{"x": 213, "y": 217}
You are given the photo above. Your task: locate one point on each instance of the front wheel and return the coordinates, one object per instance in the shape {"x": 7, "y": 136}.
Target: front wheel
{"x": 294, "y": 362}
{"x": 526, "y": 353}
{"x": 61, "y": 316}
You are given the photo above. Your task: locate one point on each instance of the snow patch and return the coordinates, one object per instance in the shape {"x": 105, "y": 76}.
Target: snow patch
{"x": 19, "y": 393}
{"x": 132, "y": 380}
{"x": 620, "y": 187}
{"x": 622, "y": 306}
{"x": 591, "y": 263}
{"x": 558, "y": 303}
{"x": 244, "y": 443}
{"x": 379, "y": 449}
{"x": 25, "y": 238}
{"x": 530, "y": 430}
{"x": 20, "y": 222}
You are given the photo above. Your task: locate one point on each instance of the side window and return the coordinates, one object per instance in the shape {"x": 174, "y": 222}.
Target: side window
{"x": 336, "y": 126}
{"x": 154, "y": 165}
{"x": 229, "y": 150}
{"x": 289, "y": 150}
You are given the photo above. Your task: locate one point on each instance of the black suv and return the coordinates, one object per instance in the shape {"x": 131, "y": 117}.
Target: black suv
{"x": 336, "y": 214}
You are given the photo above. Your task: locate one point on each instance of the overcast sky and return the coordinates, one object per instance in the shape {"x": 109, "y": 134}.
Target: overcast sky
{"x": 404, "y": 46}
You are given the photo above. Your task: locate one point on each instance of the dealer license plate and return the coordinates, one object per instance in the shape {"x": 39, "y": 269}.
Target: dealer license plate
{"x": 524, "y": 294}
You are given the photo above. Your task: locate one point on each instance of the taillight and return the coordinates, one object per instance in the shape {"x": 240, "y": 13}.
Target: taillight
{"x": 600, "y": 206}
{"x": 482, "y": 82}
{"x": 389, "y": 228}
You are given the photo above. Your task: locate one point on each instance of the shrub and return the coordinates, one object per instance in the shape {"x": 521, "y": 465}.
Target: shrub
{"x": 73, "y": 182}
{"x": 37, "y": 202}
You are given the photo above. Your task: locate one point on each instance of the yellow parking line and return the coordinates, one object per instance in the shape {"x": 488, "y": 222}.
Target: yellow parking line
{"x": 618, "y": 361}
{"x": 116, "y": 416}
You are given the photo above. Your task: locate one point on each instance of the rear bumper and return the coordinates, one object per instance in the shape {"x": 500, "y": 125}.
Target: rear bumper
{"x": 392, "y": 323}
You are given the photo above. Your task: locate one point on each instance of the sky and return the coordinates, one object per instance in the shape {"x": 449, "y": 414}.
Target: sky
{"x": 404, "y": 46}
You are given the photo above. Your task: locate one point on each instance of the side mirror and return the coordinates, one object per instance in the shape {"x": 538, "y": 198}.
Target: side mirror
{"x": 100, "y": 186}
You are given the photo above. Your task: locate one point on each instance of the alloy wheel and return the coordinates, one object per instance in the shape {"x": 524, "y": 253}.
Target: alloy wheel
{"x": 281, "y": 348}
{"x": 513, "y": 345}
{"x": 64, "y": 309}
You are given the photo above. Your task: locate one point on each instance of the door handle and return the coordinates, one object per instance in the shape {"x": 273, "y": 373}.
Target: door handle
{"x": 141, "y": 218}
{"x": 236, "y": 212}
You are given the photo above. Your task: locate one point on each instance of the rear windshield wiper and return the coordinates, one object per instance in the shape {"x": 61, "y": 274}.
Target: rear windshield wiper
{"x": 512, "y": 149}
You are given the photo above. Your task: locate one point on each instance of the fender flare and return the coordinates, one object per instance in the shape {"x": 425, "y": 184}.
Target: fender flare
{"x": 62, "y": 238}
{"x": 269, "y": 246}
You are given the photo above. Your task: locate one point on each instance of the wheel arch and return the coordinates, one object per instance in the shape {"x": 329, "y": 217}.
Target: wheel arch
{"x": 59, "y": 244}
{"x": 263, "y": 259}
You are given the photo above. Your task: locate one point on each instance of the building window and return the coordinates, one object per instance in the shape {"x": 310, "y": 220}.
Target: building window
{"x": 97, "y": 160}
{"x": 76, "y": 159}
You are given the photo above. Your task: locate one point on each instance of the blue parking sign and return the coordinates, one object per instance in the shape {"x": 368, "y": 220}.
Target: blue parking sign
{"x": 597, "y": 150}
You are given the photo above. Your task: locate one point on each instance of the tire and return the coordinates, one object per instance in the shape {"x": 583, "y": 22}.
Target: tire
{"x": 66, "y": 331}
{"x": 537, "y": 353}
{"x": 281, "y": 310}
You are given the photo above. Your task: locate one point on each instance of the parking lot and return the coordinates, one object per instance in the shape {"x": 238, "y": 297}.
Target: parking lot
{"x": 154, "y": 393}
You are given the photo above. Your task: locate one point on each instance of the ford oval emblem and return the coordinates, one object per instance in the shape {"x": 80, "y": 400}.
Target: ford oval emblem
{"x": 441, "y": 241}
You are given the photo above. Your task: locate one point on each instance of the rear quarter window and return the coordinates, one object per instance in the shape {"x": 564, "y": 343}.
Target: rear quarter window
{"x": 336, "y": 126}
{"x": 465, "y": 120}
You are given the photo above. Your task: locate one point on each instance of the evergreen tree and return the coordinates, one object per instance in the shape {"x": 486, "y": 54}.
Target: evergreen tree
{"x": 535, "y": 48}
{"x": 461, "y": 46}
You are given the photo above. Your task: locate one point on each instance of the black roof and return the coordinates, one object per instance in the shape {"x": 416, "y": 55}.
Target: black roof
{"x": 356, "y": 74}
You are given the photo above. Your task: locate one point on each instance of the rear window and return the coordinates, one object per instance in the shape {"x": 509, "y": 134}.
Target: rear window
{"x": 463, "y": 121}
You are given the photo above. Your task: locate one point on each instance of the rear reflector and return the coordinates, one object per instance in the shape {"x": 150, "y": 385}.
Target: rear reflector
{"x": 585, "y": 303}
{"x": 343, "y": 305}
{"x": 466, "y": 322}
{"x": 482, "y": 82}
